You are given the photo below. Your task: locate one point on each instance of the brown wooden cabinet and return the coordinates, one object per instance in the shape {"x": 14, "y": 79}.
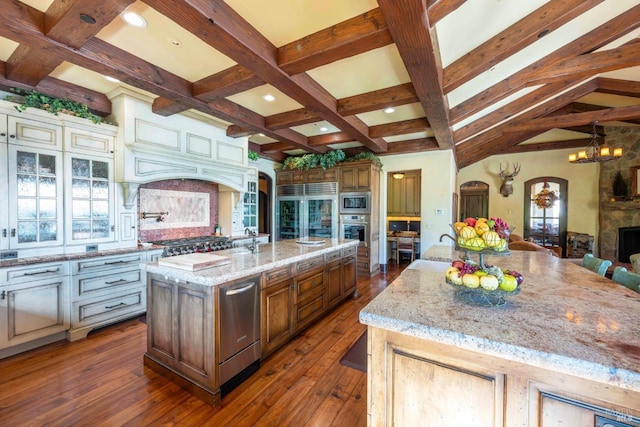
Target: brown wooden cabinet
{"x": 404, "y": 195}
{"x": 277, "y": 303}
{"x": 355, "y": 176}
{"x": 340, "y": 274}
{"x": 309, "y": 295}
{"x": 348, "y": 271}
{"x": 294, "y": 176}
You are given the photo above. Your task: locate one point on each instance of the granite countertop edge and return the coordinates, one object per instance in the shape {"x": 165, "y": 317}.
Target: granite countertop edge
{"x": 618, "y": 377}
{"x": 218, "y": 275}
{"x": 13, "y": 262}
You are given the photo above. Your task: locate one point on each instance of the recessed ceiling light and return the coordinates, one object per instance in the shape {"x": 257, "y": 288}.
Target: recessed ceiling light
{"x": 134, "y": 19}
{"x": 389, "y": 110}
{"x": 324, "y": 129}
{"x": 87, "y": 18}
{"x": 112, "y": 79}
{"x": 269, "y": 98}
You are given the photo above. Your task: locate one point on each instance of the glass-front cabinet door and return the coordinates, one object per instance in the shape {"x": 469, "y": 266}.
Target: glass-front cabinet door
{"x": 90, "y": 198}
{"x": 35, "y": 194}
{"x": 289, "y": 219}
{"x": 251, "y": 206}
{"x": 321, "y": 217}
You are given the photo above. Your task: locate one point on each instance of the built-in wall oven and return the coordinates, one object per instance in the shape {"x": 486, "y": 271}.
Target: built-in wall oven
{"x": 355, "y": 227}
{"x": 355, "y": 203}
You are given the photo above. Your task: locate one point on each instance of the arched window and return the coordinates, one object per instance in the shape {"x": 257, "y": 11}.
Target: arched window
{"x": 545, "y": 212}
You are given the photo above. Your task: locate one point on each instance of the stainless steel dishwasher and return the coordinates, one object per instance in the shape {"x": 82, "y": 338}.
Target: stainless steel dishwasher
{"x": 239, "y": 332}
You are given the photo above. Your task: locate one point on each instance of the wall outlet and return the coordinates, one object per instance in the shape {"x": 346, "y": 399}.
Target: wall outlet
{"x": 92, "y": 248}
{"x": 439, "y": 211}
{"x": 9, "y": 255}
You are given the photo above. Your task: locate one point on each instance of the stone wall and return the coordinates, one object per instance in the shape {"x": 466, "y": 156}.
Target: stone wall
{"x": 614, "y": 215}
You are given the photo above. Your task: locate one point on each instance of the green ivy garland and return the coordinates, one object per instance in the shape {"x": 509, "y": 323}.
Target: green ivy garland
{"x": 53, "y": 105}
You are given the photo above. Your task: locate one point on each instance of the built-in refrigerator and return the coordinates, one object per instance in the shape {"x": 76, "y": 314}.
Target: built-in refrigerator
{"x": 307, "y": 210}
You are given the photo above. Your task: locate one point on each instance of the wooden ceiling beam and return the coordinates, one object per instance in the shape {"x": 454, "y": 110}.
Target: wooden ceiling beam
{"x": 274, "y": 147}
{"x": 412, "y": 146}
{"x": 61, "y": 22}
{"x": 523, "y": 33}
{"x": 222, "y": 28}
{"x": 606, "y": 33}
{"x": 588, "y": 64}
{"x": 377, "y": 100}
{"x": 399, "y": 128}
{"x": 97, "y": 102}
{"x": 354, "y": 36}
{"x": 577, "y": 119}
{"x": 17, "y": 23}
{"x": 219, "y": 85}
{"x": 619, "y": 87}
{"x": 409, "y": 26}
{"x": 500, "y": 138}
{"x": 546, "y": 146}
{"x": 438, "y": 9}
{"x": 278, "y": 157}
{"x": 330, "y": 138}
{"x": 301, "y": 116}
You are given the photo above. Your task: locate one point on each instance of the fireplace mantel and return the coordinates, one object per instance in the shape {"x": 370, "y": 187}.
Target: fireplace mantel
{"x": 621, "y": 206}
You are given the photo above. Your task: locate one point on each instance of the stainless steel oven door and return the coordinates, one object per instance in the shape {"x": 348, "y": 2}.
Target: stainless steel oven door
{"x": 357, "y": 231}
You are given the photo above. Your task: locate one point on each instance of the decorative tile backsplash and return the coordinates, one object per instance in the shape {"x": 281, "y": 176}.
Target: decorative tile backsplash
{"x": 173, "y": 209}
{"x": 192, "y": 207}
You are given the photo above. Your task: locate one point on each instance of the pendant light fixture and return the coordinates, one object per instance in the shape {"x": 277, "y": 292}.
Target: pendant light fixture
{"x": 594, "y": 152}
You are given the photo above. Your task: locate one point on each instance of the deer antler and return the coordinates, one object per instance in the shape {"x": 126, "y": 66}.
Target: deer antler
{"x": 516, "y": 169}
{"x": 502, "y": 171}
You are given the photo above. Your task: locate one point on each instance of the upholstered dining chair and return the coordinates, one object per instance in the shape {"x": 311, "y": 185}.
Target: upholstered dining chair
{"x": 635, "y": 262}
{"x": 595, "y": 264}
{"x": 626, "y": 278}
{"x": 404, "y": 245}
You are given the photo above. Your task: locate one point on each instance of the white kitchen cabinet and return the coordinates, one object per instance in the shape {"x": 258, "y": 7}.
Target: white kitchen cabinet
{"x": 104, "y": 290}
{"x": 250, "y": 206}
{"x": 35, "y": 217}
{"x": 89, "y": 199}
{"x": 34, "y": 306}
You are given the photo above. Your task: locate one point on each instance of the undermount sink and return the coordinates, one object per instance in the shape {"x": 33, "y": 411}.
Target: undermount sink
{"x": 428, "y": 265}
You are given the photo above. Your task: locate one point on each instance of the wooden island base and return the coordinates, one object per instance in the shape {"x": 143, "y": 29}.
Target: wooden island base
{"x": 212, "y": 398}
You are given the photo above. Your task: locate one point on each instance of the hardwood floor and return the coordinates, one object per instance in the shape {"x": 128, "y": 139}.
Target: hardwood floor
{"x": 100, "y": 381}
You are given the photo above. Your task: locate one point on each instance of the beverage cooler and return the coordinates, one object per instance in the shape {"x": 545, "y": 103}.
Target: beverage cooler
{"x": 307, "y": 210}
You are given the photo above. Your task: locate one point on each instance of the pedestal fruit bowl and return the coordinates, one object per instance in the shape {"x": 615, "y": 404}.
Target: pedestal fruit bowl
{"x": 482, "y": 234}
{"x": 485, "y": 285}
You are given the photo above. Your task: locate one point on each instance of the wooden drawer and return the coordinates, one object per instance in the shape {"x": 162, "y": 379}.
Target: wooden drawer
{"x": 310, "y": 310}
{"x": 332, "y": 256}
{"x": 277, "y": 275}
{"x": 87, "y": 286}
{"x": 105, "y": 310}
{"x": 351, "y": 250}
{"x": 309, "y": 287}
{"x": 103, "y": 263}
{"x": 310, "y": 264}
{"x": 33, "y": 272}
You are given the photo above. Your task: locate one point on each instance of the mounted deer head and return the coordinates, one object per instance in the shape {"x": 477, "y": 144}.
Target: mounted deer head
{"x": 507, "y": 179}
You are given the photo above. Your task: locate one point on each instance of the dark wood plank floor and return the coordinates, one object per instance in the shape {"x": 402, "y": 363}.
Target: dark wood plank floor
{"x": 101, "y": 381}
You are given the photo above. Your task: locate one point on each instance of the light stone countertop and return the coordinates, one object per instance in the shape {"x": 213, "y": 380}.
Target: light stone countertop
{"x": 244, "y": 264}
{"x": 566, "y": 318}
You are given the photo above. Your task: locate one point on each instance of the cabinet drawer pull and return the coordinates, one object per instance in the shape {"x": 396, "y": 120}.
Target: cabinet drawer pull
{"x": 109, "y": 307}
{"x": 115, "y": 262}
{"x": 116, "y": 282}
{"x": 42, "y": 272}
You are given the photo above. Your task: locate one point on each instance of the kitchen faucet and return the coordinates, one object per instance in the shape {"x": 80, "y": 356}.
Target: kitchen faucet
{"x": 253, "y": 246}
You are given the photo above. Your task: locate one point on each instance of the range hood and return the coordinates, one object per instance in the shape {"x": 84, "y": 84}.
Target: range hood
{"x": 189, "y": 145}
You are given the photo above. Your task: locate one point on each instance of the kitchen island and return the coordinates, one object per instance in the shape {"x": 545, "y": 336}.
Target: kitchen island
{"x": 194, "y": 325}
{"x": 565, "y": 351}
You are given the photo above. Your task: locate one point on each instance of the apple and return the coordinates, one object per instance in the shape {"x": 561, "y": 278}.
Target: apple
{"x": 470, "y": 280}
{"x": 450, "y": 270}
{"x": 457, "y": 264}
{"x": 489, "y": 282}
{"x": 470, "y": 221}
{"x": 509, "y": 283}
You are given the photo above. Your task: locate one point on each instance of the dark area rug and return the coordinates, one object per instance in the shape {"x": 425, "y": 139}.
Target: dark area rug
{"x": 356, "y": 356}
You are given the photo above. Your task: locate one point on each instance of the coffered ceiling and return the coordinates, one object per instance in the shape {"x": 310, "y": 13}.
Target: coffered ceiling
{"x": 481, "y": 77}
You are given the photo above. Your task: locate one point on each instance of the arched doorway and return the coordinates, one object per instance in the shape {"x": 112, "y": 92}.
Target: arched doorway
{"x": 474, "y": 200}
{"x": 264, "y": 203}
{"x": 546, "y": 226}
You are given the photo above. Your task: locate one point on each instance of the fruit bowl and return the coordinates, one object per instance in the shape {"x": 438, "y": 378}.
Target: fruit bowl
{"x": 482, "y": 297}
{"x": 490, "y": 236}
{"x": 483, "y": 285}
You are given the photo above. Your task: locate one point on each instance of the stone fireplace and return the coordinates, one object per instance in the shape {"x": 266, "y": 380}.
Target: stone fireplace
{"x": 620, "y": 214}
{"x": 628, "y": 242}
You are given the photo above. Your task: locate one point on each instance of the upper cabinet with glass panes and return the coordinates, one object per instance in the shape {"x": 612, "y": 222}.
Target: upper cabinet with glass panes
{"x": 251, "y": 206}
